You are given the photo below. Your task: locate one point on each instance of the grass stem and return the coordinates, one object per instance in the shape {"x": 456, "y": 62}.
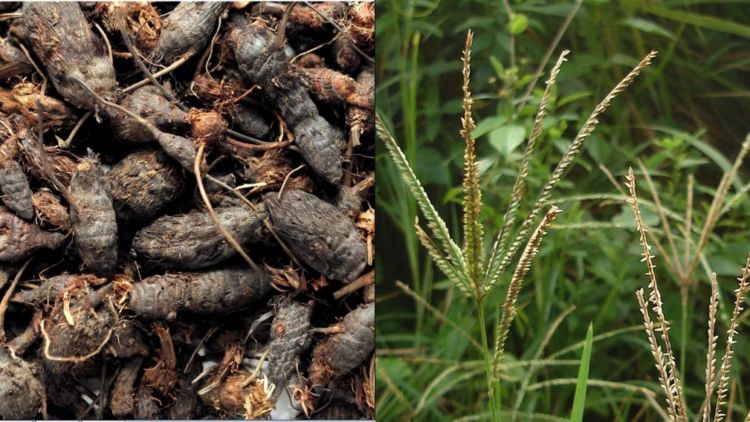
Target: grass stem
{"x": 494, "y": 398}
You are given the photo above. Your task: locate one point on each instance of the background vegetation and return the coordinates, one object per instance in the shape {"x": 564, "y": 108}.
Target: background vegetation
{"x": 687, "y": 115}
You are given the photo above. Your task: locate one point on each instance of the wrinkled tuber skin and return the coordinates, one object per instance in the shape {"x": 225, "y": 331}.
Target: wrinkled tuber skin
{"x": 209, "y": 292}
{"x": 127, "y": 341}
{"x": 290, "y": 337}
{"x": 93, "y": 219}
{"x": 331, "y": 246}
{"x": 362, "y": 17}
{"x": 348, "y": 201}
{"x": 22, "y": 100}
{"x": 362, "y": 120}
{"x": 250, "y": 121}
{"x": 262, "y": 62}
{"x": 19, "y": 239}
{"x": 67, "y": 47}
{"x": 50, "y": 210}
{"x": 146, "y": 405}
{"x": 192, "y": 241}
{"x": 60, "y": 163}
{"x": 143, "y": 184}
{"x": 344, "y": 351}
{"x": 346, "y": 57}
{"x": 334, "y": 87}
{"x": 48, "y": 290}
{"x": 187, "y": 29}
{"x": 15, "y": 189}
{"x": 21, "y": 393}
{"x": 12, "y": 61}
{"x": 305, "y": 16}
{"x": 122, "y": 398}
{"x": 149, "y": 103}
{"x": 93, "y": 319}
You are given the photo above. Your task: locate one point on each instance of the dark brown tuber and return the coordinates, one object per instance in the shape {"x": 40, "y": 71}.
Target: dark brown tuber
{"x": 144, "y": 183}
{"x": 67, "y": 47}
{"x": 209, "y": 292}
{"x": 318, "y": 233}
{"x": 19, "y": 239}
{"x": 93, "y": 218}
{"x": 191, "y": 241}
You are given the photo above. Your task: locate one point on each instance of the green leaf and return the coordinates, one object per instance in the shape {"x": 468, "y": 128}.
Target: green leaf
{"x": 430, "y": 166}
{"x": 507, "y": 138}
{"x": 579, "y": 401}
{"x": 647, "y": 26}
{"x": 704, "y": 21}
{"x": 518, "y": 23}
{"x": 487, "y": 125}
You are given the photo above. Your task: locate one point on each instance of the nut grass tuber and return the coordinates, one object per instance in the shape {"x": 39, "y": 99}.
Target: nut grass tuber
{"x": 209, "y": 292}
{"x": 143, "y": 184}
{"x": 93, "y": 218}
{"x": 192, "y": 241}
{"x": 331, "y": 245}
{"x": 122, "y": 398}
{"x": 19, "y": 239}
{"x": 261, "y": 61}
{"x": 15, "y": 189}
{"x": 48, "y": 290}
{"x": 149, "y": 103}
{"x": 187, "y": 29}
{"x": 344, "y": 351}
{"x": 290, "y": 336}
{"x": 65, "y": 345}
{"x": 61, "y": 38}
{"x": 361, "y": 120}
{"x": 21, "y": 393}
{"x": 334, "y": 87}
{"x": 50, "y": 210}
{"x": 180, "y": 148}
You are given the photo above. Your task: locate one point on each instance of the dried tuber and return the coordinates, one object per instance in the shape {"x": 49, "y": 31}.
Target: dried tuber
{"x": 122, "y": 398}
{"x": 191, "y": 241}
{"x": 21, "y": 393}
{"x": 185, "y": 245}
{"x": 290, "y": 336}
{"x": 346, "y": 350}
{"x": 15, "y": 189}
{"x": 331, "y": 245}
{"x": 149, "y": 103}
{"x": 19, "y": 239}
{"x": 67, "y": 47}
{"x": 144, "y": 183}
{"x": 261, "y": 61}
{"x": 209, "y": 292}
{"x": 187, "y": 29}
{"x": 334, "y": 87}
{"x": 93, "y": 218}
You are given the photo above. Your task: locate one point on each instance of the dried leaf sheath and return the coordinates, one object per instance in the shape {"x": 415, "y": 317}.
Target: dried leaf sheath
{"x": 473, "y": 230}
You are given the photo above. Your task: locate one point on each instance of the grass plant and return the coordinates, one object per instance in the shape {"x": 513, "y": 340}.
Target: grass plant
{"x": 473, "y": 272}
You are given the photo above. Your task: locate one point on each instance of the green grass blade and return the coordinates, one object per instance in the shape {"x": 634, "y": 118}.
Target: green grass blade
{"x": 579, "y": 402}
{"x": 434, "y": 221}
{"x": 704, "y": 21}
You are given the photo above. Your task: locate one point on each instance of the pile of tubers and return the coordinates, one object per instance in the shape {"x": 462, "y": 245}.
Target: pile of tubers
{"x": 186, "y": 215}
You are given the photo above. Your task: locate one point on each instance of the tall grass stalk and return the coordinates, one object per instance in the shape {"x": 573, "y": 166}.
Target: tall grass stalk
{"x": 469, "y": 268}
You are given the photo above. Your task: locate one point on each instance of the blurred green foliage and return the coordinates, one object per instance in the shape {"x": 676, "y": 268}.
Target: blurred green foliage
{"x": 686, "y": 115}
